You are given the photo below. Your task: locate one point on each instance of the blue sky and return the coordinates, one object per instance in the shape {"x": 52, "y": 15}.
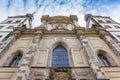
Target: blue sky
{"x": 60, "y": 7}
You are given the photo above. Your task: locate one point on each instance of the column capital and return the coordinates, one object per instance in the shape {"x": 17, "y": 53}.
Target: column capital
{"x": 17, "y": 31}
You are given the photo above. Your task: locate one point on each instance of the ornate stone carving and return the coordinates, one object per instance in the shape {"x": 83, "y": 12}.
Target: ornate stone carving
{"x": 59, "y": 19}
{"x": 61, "y": 76}
{"x": 92, "y": 58}
{"x": 59, "y": 22}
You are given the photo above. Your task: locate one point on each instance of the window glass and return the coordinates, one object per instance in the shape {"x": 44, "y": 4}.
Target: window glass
{"x": 108, "y": 21}
{"x": 16, "y": 60}
{"x": 103, "y": 60}
{"x": 17, "y": 21}
{"x": 9, "y": 21}
{"x": 0, "y": 36}
{"x": 107, "y": 26}
{"x": 60, "y": 57}
{"x": 116, "y": 26}
{"x": 1, "y": 27}
{"x": 10, "y": 27}
{"x": 100, "y": 21}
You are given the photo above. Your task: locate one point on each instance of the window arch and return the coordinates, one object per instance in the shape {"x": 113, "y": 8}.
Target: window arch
{"x": 16, "y": 60}
{"x": 60, "y": 57}
{"x": 103, "y": 60}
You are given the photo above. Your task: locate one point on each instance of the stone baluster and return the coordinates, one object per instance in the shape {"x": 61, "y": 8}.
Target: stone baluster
{"x": 24, "y": 70}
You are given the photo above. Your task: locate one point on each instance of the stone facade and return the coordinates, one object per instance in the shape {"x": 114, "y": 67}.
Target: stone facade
{"x": 83, "y": 47}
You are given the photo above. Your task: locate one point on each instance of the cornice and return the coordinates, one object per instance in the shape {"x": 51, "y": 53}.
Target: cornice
{"x": 59, "y": 32}
{"x": 99, "y": 31}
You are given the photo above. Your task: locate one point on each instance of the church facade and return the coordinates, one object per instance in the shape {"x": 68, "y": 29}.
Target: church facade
{"x": 59, "y": 49}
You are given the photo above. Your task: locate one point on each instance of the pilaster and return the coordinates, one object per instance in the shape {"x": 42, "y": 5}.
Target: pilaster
{"x": 92, "y": 59}
{"x": 24, "y": 70}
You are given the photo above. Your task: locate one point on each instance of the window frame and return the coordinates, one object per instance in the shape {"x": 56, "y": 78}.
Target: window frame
{"x": 14, "y": 62}
{"x": 65, "y": 57}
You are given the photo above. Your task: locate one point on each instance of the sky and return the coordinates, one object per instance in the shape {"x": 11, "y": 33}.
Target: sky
{"x": 60, "y": 7}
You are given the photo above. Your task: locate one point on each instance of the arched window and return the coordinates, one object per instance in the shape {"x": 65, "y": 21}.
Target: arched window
{"x": 60, "y": 57}
{"x": 103, "y": 60}
{"x": 15, "y": 61}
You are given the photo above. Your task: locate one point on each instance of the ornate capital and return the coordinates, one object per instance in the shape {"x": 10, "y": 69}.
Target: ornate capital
{"x": 79, "y": 31}
{"x": 102, "y": 32}
{"x": 17, "y": 31}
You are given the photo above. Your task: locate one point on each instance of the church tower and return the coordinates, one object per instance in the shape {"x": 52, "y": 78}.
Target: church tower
{"x": 59, "y": 49}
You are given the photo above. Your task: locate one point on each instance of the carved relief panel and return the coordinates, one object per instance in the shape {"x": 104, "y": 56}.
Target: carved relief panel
{"x": 60, "y": 74}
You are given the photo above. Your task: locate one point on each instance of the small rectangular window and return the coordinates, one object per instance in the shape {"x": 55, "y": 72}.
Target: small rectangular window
{"x": 100, "y": 21}
{"x": 116, "y": 26}
{"x": 9, "y": 21}
{"x": 17, "y": 21}
{"x": 1, "y": 27}
{"x": 0, "y": 36}
{"x": 108, "y": 21}
{"x": 107, "y": 26}
{"x": 10, "y": 27}
{"x": 118, "y": 36}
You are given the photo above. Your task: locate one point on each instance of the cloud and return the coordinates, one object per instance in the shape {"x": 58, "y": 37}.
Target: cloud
{"x": 59, "y": 7}
{"x": 3, "y": 9}
{"x": 104, "y": 8}
{"x": 16, "y": 8}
